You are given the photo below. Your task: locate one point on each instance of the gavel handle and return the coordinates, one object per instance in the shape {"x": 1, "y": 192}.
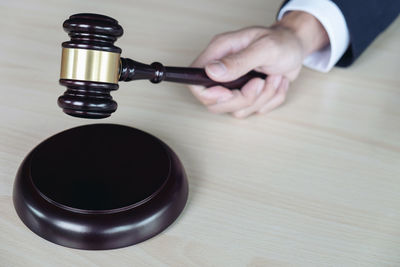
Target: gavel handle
{"x": 156, "y": 72}
{"x": 198, "y": 76}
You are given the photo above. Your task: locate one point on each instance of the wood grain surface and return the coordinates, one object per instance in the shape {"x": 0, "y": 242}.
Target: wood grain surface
{"x": 314, "y": 183}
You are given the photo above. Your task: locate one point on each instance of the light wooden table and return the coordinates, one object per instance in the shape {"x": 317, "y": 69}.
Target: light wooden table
{"x": 314, "y": 183}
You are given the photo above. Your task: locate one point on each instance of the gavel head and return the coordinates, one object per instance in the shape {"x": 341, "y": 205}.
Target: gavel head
{"x": 90, "y": 66}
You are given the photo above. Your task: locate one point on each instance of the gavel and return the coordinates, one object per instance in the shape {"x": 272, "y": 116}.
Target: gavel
{"x": 91, "y": 67}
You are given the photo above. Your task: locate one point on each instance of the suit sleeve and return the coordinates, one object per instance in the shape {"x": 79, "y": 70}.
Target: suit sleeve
{"x": 365, "y": 20}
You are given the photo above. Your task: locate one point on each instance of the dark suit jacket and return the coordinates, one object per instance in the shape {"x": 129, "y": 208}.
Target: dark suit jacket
{"x": 366, "y": 19}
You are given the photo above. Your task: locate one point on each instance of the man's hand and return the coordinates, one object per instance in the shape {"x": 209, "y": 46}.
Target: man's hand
{"x": 277, "y": 51}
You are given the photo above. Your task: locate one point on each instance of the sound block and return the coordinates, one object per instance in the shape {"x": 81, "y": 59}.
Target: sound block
{"x": 100, "y": 186}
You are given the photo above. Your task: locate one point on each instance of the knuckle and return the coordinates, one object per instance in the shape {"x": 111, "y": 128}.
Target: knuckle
{"x": 269, "y": 42}
{"x": 218, "y": 38}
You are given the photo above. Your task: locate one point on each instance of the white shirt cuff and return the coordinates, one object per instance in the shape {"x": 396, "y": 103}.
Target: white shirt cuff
{"x": 332, "y": 19}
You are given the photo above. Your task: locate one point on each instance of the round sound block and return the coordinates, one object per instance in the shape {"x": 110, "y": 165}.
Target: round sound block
{"x": 100, "y": 186}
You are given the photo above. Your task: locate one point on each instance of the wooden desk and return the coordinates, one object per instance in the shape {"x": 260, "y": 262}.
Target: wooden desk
{"x": 314, "y": 183}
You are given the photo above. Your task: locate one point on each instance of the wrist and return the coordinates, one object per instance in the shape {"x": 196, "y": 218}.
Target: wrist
{"x": 308, "y": 30}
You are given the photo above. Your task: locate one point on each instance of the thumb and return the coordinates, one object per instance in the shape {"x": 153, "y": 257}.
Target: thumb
{"x": 235, "y": 65}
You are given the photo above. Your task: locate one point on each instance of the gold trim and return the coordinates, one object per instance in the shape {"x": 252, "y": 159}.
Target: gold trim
{"x": 90, "y": 65}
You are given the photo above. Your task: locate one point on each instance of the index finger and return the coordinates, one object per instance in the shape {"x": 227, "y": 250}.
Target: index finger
{"x": 227, "y": 43}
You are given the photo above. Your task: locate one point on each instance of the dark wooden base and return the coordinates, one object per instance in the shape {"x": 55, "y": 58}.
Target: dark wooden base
{"x": 100, "y": 186}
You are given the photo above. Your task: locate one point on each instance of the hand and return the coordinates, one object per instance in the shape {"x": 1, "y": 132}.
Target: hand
{"x": 277, "y": 51}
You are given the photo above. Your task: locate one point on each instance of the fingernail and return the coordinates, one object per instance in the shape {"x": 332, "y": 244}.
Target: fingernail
{"x": 216, "y": 68}
{"x": 277, "y": 81}
{"x": 224, "y": 98}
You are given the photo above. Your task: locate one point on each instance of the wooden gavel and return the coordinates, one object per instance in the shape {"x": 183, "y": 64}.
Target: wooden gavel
{"x": 91, "y": 67}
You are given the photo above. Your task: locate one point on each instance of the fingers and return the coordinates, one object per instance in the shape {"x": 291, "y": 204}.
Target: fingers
{"x": 240, "y": 99}
{"x": 272, "y": 96}
{"x": 212, "y": 95}
{"x": 278, "y": 98}
{"x": 257, "y": 96}
{"x": 270, "y": 88}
